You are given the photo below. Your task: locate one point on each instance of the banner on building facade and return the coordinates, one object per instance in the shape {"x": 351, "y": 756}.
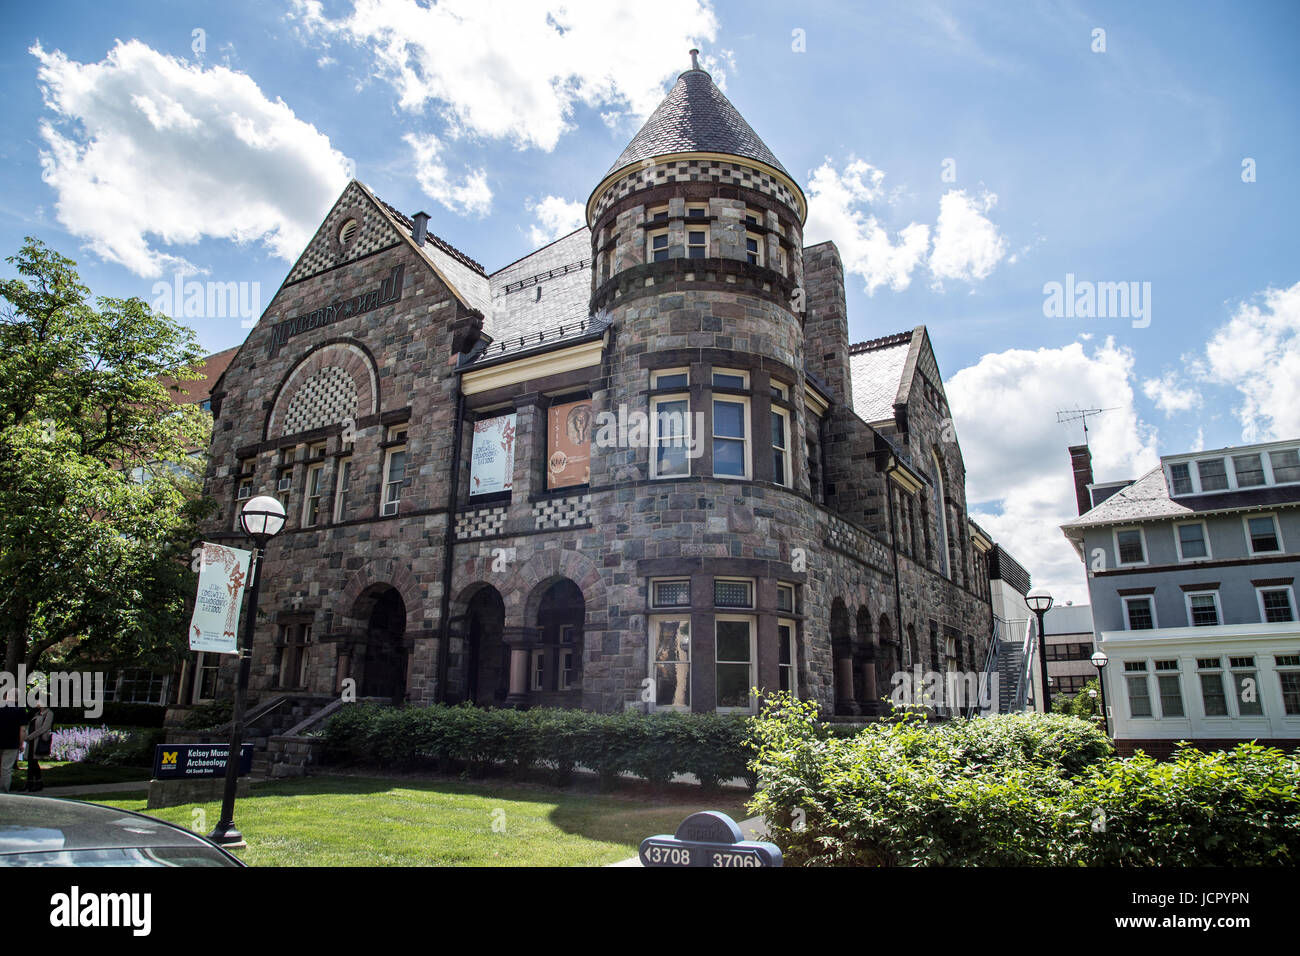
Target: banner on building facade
{"x": 568, "y": 461}
{"x": 223, "y": 575}
{"x": 492, "y": 457}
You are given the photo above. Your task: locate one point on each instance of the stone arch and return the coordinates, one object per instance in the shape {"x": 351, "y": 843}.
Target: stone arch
{"x": 335, "y": 381}
{"x": 889, "y": 659}
{"x": 524, "y": 597}
{"x": 385, "y": 572}
{"x": 842, "y": 657}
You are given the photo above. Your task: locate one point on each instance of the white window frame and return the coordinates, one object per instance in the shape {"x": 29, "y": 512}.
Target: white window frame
{"x": 753, "y": 592}
{"x": 1290, "y": 597}
{"x": 752, "y": 621}
{"x": 758, "y": 249}
{"x": 537, "y": 669}
{"x": 1151, "y": 601}
{"x": 1205, "y": 534}
{"x": 652, "y": 212}
{"x": 1263, "y": 469}
{"x": 746, "y": 439}
{"x": 794, "y": 597}
{"x": 739, "y": 373}
{"x": 1277, "y": 530}
{"x": 1229, "y": 475}
{"x": 564, "y": 676}
{"x": 1146, "y": 553}
{"x": 1253, "y": 669}
{"x": 384, "y": 500}
{"x": 793, "y": 666}
{"x": 1219, "y": 672}
{"x": 1177, "y": 674}
{"x": 1267, "y": 459}
{"x": 655, "y": 438}
{"x": 787, "y": 479}
{"x": 652, "y": 643}
{"x": 650, "y": 237}
{"x": 342, "y": 486}
{"x": 702, "y": 228}
{"x": 1145, "y": 676}
{"x": 693, "y": 206}
{"x": 659, "y": 373}
{"x": 312, "y": 494}
{"x": 1218, "y": 609}
{"x": 779, "y": 390}
{"x": 1282, "y": 670}
{"x": 671, "y": 579}
{"x": 1191, "y": 479}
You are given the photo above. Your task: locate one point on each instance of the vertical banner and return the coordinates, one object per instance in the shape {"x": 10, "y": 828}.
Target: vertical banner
{"x": 223, "y": 574}
{"x": 492, "y": 458}
{"x": 568, "y": 459}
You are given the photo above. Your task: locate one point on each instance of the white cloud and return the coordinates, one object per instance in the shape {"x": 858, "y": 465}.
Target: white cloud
{"x": 1169, "y": 395}
{"x": 1019, "y": 484}
{"x": 470, "y": 195}
{"x": 1257, "y": 352}
{"x": 146, "y": 151}
{"x": 966, "y": 244}
{"x": 556, "y": 217}
{"x": 517, "y": 69}
{"x": 834, "y": 212}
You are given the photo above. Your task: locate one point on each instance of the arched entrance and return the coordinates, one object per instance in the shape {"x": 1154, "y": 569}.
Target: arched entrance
{"x": 842, "y": 652}
{"x": 555, "y": 665}
{"x": 384, "y": 661}
{"x": 487, "y": 659}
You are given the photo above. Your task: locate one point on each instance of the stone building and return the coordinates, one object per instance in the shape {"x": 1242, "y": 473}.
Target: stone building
{"x": 642, "y": 466}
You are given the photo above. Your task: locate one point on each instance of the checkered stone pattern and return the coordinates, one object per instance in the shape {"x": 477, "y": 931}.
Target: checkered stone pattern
{"x": 481, "y": 523}
{"x": 375, "y": 232}
{"x": 327, "y": 398}
{"x": 682, "y": 171}
{"x": 843, "y": 537}
{"x": 569, "y": 512}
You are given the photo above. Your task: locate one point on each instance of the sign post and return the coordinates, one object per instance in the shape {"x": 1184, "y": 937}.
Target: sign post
{"x": 707, "y": 838}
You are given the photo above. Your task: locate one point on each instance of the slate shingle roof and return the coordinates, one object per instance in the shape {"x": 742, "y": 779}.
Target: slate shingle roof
{"x": 561, "y": 270}
{"x": 877, "y": 371}
{"x": 1147, "y": 499}
{"x": 696, "y": 117}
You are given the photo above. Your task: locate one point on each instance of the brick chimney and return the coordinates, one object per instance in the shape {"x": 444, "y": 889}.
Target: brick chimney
{"x": 1081, "y": 463}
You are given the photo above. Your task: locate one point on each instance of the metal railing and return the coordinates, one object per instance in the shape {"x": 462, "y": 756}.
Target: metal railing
{"x": 987, "y": 687}
{"x": 1026, "y": 667}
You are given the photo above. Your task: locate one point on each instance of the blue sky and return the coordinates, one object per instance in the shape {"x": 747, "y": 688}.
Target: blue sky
{"x": 140, "y": 154}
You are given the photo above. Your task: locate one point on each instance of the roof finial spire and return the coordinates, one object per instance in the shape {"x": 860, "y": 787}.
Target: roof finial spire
{"x": 695, "y": 59}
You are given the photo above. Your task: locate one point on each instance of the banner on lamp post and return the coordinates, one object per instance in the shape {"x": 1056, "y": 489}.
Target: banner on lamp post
{"x": 223, "y": 575}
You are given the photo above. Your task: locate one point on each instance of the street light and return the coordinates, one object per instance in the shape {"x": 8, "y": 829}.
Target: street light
{"x": 1099, "y": 661}
{"x": 1039, "y": 601}
{"x": 262, "y": 518}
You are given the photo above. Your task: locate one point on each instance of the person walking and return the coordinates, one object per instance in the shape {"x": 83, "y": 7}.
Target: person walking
{"x": 13, "y": 733}
{"x": 42, "y": 725}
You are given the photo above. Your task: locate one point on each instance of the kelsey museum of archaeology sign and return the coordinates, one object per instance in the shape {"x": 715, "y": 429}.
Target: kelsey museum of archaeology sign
{"x": 390, "y": 290}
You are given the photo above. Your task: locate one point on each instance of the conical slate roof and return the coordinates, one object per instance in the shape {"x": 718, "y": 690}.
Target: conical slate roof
{"x": 696, "y": 117}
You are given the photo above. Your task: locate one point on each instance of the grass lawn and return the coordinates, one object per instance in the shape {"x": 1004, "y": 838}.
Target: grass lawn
{"x": 333, "y": 820}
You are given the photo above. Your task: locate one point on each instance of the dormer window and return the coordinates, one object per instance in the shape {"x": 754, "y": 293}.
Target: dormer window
{"x": 1249, "y": 470}
{"x": 1286, "y": 465}
{"x": 1181, "y": 477}
{"x": 1212, "y": 474}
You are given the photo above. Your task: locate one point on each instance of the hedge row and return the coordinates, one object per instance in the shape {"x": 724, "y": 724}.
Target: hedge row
{"x": 1015, "y": 790}
{"x": 453, "y": 739}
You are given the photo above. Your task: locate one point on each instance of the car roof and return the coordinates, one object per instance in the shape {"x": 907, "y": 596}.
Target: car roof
{"x": 44, "y": 824}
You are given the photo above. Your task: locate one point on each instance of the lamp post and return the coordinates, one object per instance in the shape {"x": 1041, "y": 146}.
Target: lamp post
{"x": 1099, "y": 661}
{"x": 1040, "y": 601}
{"x": 262, "y": 518}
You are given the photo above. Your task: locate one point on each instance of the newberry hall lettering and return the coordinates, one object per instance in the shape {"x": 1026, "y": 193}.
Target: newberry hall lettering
{"x": 390, "y": 290}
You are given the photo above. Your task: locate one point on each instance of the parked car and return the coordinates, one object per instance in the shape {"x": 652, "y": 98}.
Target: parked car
{"x": 46, "y": 831}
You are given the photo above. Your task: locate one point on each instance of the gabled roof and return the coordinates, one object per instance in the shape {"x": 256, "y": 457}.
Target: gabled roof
{"x": 877, "y": 368}
{"x": 696, "y": 117}
{"x": 196, "y": 390}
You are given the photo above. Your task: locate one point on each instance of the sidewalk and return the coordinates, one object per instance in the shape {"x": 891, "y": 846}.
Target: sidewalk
{"x": 752, "y": 829}
{"x": 120, "y": 787}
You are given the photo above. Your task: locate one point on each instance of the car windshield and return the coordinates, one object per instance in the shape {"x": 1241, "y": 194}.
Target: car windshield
{"x": 126, "y": 856}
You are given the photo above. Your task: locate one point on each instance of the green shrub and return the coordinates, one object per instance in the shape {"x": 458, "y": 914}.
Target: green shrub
{"x": 206, "y": 716}
{"x": 476, "y": 740}
{"x": 1020, "y": 790}
{"x": 134, "y": 750}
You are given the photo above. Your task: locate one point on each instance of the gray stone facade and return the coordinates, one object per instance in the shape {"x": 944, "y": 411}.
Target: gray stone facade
{"x": 842, "y": 560}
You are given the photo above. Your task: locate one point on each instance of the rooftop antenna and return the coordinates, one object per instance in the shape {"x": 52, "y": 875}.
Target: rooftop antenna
{"x": 1064, "y": 416}
{"x": 695, "y": 59}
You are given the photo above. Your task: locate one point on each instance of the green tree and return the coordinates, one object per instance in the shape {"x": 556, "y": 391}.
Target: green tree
{"x": 99, "y": 496}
